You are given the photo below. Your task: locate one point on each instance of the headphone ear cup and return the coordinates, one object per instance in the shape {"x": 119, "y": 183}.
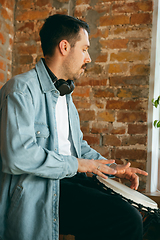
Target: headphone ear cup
{"x": 64, "y": 87}
{"x": 71, "y": 84}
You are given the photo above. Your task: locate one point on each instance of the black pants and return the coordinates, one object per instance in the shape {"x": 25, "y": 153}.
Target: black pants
{"x": 93, "y": 214}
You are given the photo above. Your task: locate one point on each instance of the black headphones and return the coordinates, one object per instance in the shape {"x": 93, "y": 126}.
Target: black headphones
{"x": 64, "y": 87}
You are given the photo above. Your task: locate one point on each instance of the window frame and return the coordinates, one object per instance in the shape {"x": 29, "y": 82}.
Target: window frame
{"x": 153, "y": 148}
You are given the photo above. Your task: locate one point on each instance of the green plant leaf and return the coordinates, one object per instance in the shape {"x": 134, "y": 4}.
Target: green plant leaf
{"x": 155, "y": 123}
{"x": 158, "y": 124}
{"x": 156, "y": 102}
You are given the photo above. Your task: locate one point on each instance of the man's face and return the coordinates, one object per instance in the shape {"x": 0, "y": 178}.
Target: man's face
{"x": 78, "y": 57}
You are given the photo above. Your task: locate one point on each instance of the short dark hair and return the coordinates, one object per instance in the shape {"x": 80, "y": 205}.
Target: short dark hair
{"x": 60, "y": 27}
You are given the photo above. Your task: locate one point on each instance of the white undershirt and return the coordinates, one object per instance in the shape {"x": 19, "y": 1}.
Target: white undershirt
{"x": 63, "y": 126}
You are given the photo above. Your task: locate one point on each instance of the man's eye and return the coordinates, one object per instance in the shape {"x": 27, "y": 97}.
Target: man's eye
{"x": 84, "y": 50}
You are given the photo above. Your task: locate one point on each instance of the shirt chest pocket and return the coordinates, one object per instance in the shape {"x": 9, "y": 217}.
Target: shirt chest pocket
{"x": 42, "y": 134}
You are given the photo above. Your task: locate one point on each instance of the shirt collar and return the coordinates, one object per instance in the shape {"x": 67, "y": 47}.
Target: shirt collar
{"x": 44, "y": 77}
{"x": 51, "y": 74}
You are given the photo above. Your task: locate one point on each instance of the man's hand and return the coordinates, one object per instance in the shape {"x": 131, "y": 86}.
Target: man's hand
{"x": 125, "y": 171}
{"x": 96, "y": 166}
{"x": 100, "y": 168}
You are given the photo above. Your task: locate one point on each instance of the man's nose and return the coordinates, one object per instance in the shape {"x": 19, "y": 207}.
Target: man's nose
{"x": 88, "y": 58}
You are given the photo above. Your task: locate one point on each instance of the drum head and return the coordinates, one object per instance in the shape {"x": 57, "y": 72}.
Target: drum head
{"x": 128, "y": 193}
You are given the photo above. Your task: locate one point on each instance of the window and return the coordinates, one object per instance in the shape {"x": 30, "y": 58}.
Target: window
{"x": 153, "y": 160}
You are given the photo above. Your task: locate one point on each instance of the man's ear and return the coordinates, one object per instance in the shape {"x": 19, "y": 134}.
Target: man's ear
{"x": 64, "y": 47}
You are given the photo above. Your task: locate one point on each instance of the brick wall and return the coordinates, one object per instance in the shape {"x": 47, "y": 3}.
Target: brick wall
{"x": 112, "y": 97}
{"x": 6, "y": 39}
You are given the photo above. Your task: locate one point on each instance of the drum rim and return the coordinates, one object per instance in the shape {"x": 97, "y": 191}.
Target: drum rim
{"x": 136, "y": 196}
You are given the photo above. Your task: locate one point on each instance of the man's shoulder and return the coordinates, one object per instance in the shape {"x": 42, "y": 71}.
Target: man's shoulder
{"x": 21, "y": 83}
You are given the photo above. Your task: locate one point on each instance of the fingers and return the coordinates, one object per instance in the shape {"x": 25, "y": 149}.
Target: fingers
{"x": 96, "y": 166}
{"x": 103, "y": 168}
{"x": 109, "y": 161}
{"x": 141, "y": 172}
{"x": 134, "y": 181}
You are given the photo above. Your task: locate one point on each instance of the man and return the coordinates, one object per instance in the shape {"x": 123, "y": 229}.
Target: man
{"x": 42, "y": 147}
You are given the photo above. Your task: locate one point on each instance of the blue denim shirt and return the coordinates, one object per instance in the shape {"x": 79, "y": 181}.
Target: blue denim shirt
{"x": 30, "y": 163}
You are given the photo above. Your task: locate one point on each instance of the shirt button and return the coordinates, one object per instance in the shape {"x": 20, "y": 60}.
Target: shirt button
{"x": 55, "y": 220}
{"x": 55, "y": 194}
{"x": 38, "y": 132}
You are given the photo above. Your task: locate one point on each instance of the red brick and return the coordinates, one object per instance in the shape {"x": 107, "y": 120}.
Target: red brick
{"x": 87, "y": 115}
{"x": 81, "y": 12}
{"x": 9, "y": 28}
{"x": 129, "y": 80}
{"x": 32, "y": 15}
{"x": 79, "y": 2}
{"x": 106, "y": 116}
{"x": 101, "y": 33}
{"x": 132, "y": 7}
{"x": 22, "y": 37}
{"x": 8, "y": 15}
{"x": 131, "y": 154}
{"x": 141, "y": 18}
{"x": 137, "y": 129}
{"x": 104, "y": 151}
{"x": 125, "y": 8}
{"x": 98, "y": 127}
{"x": 103, "y": 93}
{"x": 26, "y": 49}
{"x": 133, "y": 140}
{"x": 25, "y": 26}
{"x": 102, "y": 58}
{"x": 130, "y": 105}
{"x": 99, "y": 104}
{"x": 9, "y": 4}
{"x": 2, "y": 65}
{"x": 132, "y": 92}
{"x": 25, "y": 4}
{"x": 10, "y": 41}
{"x": 114, "y": 20}
{"x": 139, "y": 44}
{"x": 81, "y": 92}
{"x": 109, "y": 1}
{"x": 114, "y": 43}
{"x": 92, "y": 139}
{"x": 86, "y": 81}
{"x": 2, "y": 2}
{"x": 140, "y": 69}
{"x": 20, "y": 69}
{"x": 2, "y": 38}
{"x": 81, "y": 103}
{"x": 130, "y": 56}
{"x": 111, "y": 140}
{"x": 102, "y": 8}
{"x": 118, "y": 68}
{"x": 145, "y": 6}
{"x": 95, "y": 70}
{"x": 42, "y": 3}
{"x": 118, "y": 130}
{"x": 132, "y": 31}
{"x": 25, "y": 59}
{"x": 85, "y": 127}
{"x": 2, "y": 77}
{"x": 131, "y": 116}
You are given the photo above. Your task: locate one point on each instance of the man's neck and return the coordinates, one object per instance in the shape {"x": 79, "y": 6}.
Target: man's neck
{"x": 55, "y": 66}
